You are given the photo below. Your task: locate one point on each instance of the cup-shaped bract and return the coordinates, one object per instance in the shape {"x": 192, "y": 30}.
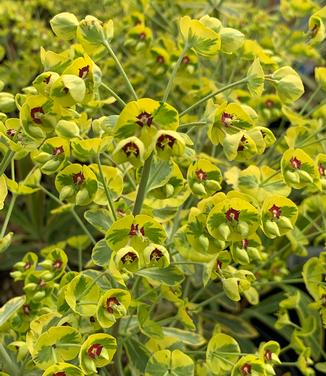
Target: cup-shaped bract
{"x": 111, "y": 306}
{"x": 204, "y": 178}
{"x": 232, "y": 219}
{"x": 278, "y": 216}
{"x": 76, "y": 184}
{"x": 96, "y": 352}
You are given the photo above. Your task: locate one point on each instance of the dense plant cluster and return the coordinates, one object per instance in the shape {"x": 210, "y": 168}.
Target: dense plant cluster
{"x": 164, "y": 175}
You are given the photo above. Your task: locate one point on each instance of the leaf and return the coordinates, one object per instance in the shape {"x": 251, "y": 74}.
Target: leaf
{"x": 185, "y": 336}
{"x": 159, "y": 174}
{"x": 3, "y": 190}
{"x": 56, "y": 345}
{"x": 101, "y": 253}
{"x": 165, "y": 362}
{"x": 138, "y": 355}
{"x": 222, "y": 352}
{"x": 10, "y": 308}
{"x": 255, "y": 78}
{"x": 170, "y": 276}
{"x": 99, "y": 218}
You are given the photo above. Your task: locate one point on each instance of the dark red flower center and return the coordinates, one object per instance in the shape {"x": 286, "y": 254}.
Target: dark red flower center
{"x": 94, "y": 351}
{"x": 156, "y": 254}
{"x": 142, "y": 36}
{"x": 232, "y": 214}
{"x": 11, "y": 132}
{"x": 315, "y": 29}
{"x": 65, "y": 90}
{"x": 47, "y": 79}
{"x": 201, "y": 175}
{"x": 186, "y": 60}
{"x": 323, "y": 300}
{"x": 144, "y": 118}
{"x": 164, "y": 140}
{"x": 160, "y": 59}
{"x": 26, "y": 309}
{"x": 78, "y": 178}
{"x": 295, "y": 163}
{"x": 134, "y": 230}
{"x": 129, "y": 258}
{"x": 57, "y": 150}
{"x": 245, "y": 243}
{"x": 59, "y": 374}
{"x": 27, "y": 265}
{"x": 246, "y": 369}
{"x": 110, "y": 302}
{"x": 131, "y": 148}
{"x": 57, "y": 264}
{"x": 321, "y": 169}
{"x": 241, "y": 146}
{"x": 36, "y": 114}
{"x": 269, "y": 103}
{"x": 268, "y": 355}
{"x": 275, "y": 211}
{"x": 83, "y": 72}
{"x": 41, "y": 283}
{"x": 226, "y": 119}
{"x": 219, "y": 264}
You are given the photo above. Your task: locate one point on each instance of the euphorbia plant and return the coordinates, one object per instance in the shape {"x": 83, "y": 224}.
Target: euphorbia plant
{"x": 187, "y": 200}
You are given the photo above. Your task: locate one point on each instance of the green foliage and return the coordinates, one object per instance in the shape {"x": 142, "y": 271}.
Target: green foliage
{"x": 147, "y": 221}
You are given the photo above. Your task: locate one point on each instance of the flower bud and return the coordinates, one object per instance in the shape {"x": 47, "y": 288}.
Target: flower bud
{"x": 65, "y": 128}
{"x": 91, "y": 31}
{"x": 224, "y": 230}
{"x": 204, "y": 241}
{"x": 243, "y": 228}
{"x": 7, "y": 102}
{"x": 82, "y": 197}
{"x": 272, "y": 228}
{"x": 66, "y": 192}
{"x": 285, "y": 222}
{"x": 64, "y": 25}
{"x": 199, "y": 189}
{"x": 169, "y": 190}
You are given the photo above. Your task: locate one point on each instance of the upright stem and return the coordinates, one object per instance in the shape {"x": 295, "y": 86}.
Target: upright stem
{"x": 311, "y": 98}
{"x": 75, "y": 215}
{"x": 5, "y": 161}
{"x": 143, "y": 185}
{"x": 107, "y": 193}
{"x": 8, "y": 215}
{"x": 122, "y": 71}
{"x": 114, "y": 94}
{"x": 173, "y": 74}
{"x": 207, "y": 97}
{"x": 81, "y": 224}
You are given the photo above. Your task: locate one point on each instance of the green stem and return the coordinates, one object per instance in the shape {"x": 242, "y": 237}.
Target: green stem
{"x": 8, "y": 215}
{"x": 315, "y": 142}
{"x": 5, "y": 161}
{"x": 124, "y": 75}
{"x": 211, "y": 299}
{"x": 187, "y": 125}
{"x": 285, "y": 281}
{"x": 207, "y": 97}
{"x": 81, "y": 224}
{"x": 142, "y": 185}
{"x": 311, "y": 98}
{"x": 173, "y": 74}
{"x": 108, "y": 195}
{"x": 118, "y": 360}
{"x": 10, "y": 366}
{"x": 75, "y": 215}
{"x": 114, "y": 94}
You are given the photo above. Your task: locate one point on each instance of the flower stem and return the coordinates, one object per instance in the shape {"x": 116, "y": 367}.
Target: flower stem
{"x": 173, "y": 74}
{"x": 8, "y": 215}
{"x": 114, "y": 94}
{"x": 108, "y": 195}
{"x": 211, "y": 95}
{"x": 75, "y": 215}
{"x": 5, "y": 161}
{"x": 142, "y": 185}
{"x": 122, "y": 71}
{"x": 311, "y": 98}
